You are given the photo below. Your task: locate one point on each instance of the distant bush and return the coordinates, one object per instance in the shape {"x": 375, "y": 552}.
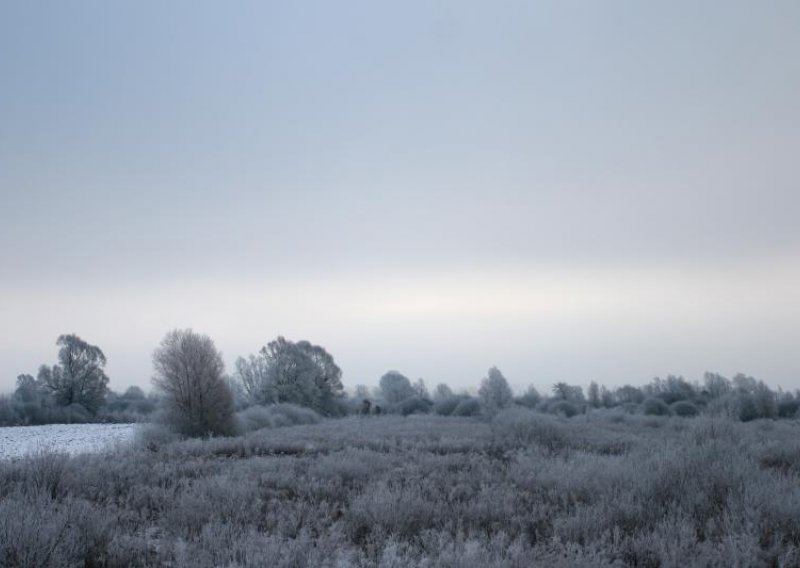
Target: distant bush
{"x": 655, "y": 407}
{"x": 684, "y": 408}
{"x": 275, "y": 416}
{"x": 530, "y": 399}
{"x": 8, "y": 412}
{"x": 413, "y": 405}
{"x": 563, "y": 407}
{"x": 445, "y": 406}
{"x": 788, "y": 407}
{"x": 469, "y": 406}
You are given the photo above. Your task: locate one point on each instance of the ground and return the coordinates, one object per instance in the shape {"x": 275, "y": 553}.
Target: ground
{"x": 17, "y": 441}
{"x": 519, "y": 489}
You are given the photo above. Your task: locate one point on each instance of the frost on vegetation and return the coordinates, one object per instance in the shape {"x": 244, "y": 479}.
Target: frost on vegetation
{"x": 524, "y": 488}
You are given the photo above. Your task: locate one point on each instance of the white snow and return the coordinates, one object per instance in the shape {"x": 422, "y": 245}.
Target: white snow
{"x": 18, "y": 441}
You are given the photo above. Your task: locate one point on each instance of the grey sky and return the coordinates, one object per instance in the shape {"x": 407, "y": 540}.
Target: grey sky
{"x": 568, "y": 190}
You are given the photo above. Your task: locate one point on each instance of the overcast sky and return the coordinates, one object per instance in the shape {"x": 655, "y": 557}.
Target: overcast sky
{"x": 567, "y": 190}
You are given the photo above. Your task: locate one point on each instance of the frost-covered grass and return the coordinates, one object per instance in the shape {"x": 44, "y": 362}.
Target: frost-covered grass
{"x": 18, "y": 441}
{"x": 523, "y": 489}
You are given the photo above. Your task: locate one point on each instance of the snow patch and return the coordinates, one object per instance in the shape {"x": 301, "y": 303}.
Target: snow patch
{"x": 18, "y": 441}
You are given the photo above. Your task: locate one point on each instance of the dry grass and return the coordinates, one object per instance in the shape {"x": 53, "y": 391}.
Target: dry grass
{"x": 594, "y": 490}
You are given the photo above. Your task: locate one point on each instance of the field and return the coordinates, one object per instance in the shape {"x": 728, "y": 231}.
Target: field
{"x": 18, "y": 441}
{"x": 521, "y": 489}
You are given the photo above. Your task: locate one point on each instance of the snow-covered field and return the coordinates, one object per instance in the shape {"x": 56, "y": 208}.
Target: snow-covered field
{"x": 17, "y": 441}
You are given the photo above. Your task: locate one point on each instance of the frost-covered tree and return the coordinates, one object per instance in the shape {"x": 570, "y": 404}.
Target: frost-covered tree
{"x": 79, "y": 376}
{"x": 361, "y": 392}
{"x": 494, "y": 392}
{"x": 190, "y": 374}
{"x": 296, "y": 372}
{"x": 395, "y": 387}
{"x": 420, "y": 389}
{"x": 594, "y": 395}
{"x": 716, "y": 385}
{"x": 530, "y": 398}
{"x": 442, "y": 392}
{"x": 571, "y": 393}
{"x": 27, "y": 391}
{"x": 253, "y": 374}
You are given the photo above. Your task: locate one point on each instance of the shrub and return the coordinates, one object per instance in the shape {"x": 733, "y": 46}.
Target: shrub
{"x": 446, "y": 406}
{"x": 467, "y": 407}
{"x": 275, "y": 416}
{"x": 413, "y": 405}
{"x": 530, "y": 399}
{"x": 684, "y": 408}
{"x": 564, "y": 408}
{"x": 788, "y": 407}
{"x": 747, "y": 407}
{"x": 154, "y": 436}
{"x": 8, "y": 413}
{"x": 655, "y": 407}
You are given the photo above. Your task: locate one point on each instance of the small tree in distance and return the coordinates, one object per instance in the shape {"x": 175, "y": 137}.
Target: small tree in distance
{"x": 190, "y": 373}
{"x": 495, "y": 393}
{"x": 395, "y": 387}
{"x": 78, "y": 378}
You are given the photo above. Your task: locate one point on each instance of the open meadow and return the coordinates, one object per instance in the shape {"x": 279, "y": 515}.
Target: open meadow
{"x": 19, "y": 441}
{"x": 520, "y": 489}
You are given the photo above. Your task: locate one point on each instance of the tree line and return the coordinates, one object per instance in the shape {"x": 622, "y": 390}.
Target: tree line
{"x": 195, "y": 396}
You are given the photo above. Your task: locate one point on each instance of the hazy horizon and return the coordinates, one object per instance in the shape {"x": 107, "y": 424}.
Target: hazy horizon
{"x": 569, "y": 191}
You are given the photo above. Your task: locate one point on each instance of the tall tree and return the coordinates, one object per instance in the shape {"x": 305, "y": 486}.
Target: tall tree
{"x": 79, "y": 376}
{"x": 297, "y": 372}
{"x": 190, "y": 373}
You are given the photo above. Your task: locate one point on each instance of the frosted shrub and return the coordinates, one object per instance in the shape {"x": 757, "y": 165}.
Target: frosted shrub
{"x": 467, "y": 407}
{"x": 684, "y": 408}
{"x": 154, "y": 436}
{"x": 254, "y": 418}
{"x": 564, "y": 408}
{"x": 446, "y": 405}
{"x": 275, "y": 416}
{"x": 653, "y": 406}
{"x": 528, "y": 427}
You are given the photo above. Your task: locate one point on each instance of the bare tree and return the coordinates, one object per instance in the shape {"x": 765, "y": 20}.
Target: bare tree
{"x": 190, "y": 373}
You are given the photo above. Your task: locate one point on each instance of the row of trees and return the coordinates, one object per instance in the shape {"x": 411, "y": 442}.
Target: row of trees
{"x": 74, "y": 389}
{"x": 198, "y": 398}
{"x": 190, "y": 382}
{"x": 741, "y": 397}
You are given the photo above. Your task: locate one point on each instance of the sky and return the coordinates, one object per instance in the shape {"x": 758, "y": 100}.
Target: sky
{"x": 570, "y": 191}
